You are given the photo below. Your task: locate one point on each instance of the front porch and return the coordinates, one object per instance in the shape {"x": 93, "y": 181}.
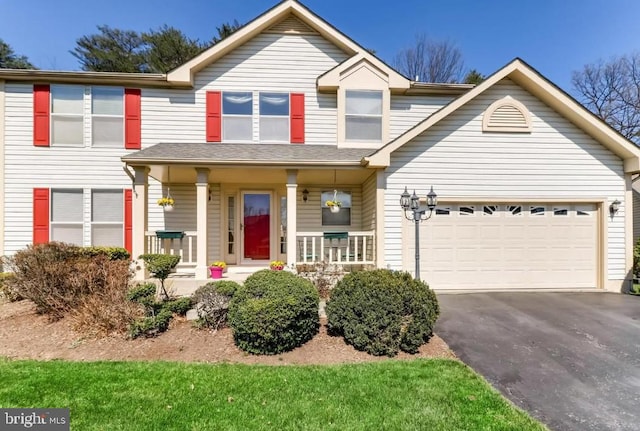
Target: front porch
{"x": 248, "y": 215}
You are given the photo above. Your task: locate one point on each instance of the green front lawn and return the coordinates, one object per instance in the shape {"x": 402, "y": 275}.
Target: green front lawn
{"x": 390, "y": 395}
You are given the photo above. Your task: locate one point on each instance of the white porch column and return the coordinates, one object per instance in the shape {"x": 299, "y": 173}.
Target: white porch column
{"x": 140, "y": 218}
{"x": 292, "y": 216}
{"x": 202, "y": 201}
{"x": 381, "y": 186}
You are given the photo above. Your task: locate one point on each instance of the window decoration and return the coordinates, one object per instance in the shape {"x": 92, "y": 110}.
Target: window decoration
{"x": 443, "y": 211}
{"x": 507, "y": 115}
{"x": 560, "y": 211}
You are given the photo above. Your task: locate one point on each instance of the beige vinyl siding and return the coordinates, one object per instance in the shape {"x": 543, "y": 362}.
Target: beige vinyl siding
{"x": 369, "y": 203}
{"x": 407, "y": 111}
{"x": 28, "y": 167}
{"x": 269, "y": 62}
{"x": 310, "y": 213}
{"x": 183, "y": 216}
{"x": 555, "y": 161}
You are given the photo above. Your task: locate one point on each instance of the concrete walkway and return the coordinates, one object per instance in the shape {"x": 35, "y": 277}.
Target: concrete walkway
{"x": 570, "y": 359}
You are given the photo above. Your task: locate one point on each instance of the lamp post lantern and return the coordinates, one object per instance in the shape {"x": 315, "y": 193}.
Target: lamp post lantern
{"x": 410, "y": 205}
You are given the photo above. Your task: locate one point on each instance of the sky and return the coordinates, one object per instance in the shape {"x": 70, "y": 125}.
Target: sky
{"x": 556, "y": 37}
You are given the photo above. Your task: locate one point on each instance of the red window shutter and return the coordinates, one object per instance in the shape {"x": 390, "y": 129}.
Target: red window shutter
{"x": 41, "y": 108}
{"x": 214, "y": 116}
{"x": 40, "y": 216}
{"x": 128, "y": 221}
{"x": 297, "y": 118}
{"x": 132, "y": 119}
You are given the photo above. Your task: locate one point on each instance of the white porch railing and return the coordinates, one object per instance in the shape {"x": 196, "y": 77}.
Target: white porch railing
{"x": 356, "y": 248}
{"x": 185, "y": 247}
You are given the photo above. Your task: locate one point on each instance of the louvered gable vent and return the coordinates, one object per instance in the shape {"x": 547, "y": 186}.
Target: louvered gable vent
{"x": 291, "y": 25}
{"x": 507, "y": 115}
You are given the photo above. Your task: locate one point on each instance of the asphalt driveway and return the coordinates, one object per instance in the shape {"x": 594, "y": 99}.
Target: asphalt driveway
{"x": 570, "y": 359}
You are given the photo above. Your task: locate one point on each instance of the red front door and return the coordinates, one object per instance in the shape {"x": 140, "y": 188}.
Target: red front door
{"x": 257, "y": 222}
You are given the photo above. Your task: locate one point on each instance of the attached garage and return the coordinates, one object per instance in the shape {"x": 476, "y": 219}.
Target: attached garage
{"x": 509, "y": 245}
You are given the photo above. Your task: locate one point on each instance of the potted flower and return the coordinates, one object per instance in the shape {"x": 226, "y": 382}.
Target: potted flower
{"x": 277, "y": 265}
{"x": 334, "y": 204}
{"x": 166, "y": 203}
{"x": 217, "y": 268}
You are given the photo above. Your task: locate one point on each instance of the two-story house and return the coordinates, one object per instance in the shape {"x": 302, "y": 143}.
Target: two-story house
{"x": 255, "y": 138}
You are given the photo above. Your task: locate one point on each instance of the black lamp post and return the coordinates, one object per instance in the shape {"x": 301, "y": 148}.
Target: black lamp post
{"x": 411, "y": 206}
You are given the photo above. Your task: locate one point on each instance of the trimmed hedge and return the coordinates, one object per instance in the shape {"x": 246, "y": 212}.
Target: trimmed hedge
{"x": 381, "y": 312}
{"x": 274, "y": 312}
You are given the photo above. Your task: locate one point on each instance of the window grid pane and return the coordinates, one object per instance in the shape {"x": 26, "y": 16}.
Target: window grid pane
{"x": 66, "y": 130}
{"x": 107, "y": 101}
{"x": 69, "y": 233}
{"x": 67, "y": 99}
{"x": 66, "y": 205}
{"x": 364, "y": 103}
{"x": 107, "y": 206}
{"x": 274, "y": 129}
{"x": 363, "y": 128}
{"x": 237, "y": 128}
{"x": 237, "y": 103}
{"x": 274, "y": 104}
{"x": 107, "y": 131}
{"x": 110, "y": 235}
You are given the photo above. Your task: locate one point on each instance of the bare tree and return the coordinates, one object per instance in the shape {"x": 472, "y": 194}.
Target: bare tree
{"x": 611, "y": 90}
{"x": 430, "y": 61}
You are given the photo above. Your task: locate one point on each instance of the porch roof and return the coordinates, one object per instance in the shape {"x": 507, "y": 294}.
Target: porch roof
{"x": 247, "y": 154}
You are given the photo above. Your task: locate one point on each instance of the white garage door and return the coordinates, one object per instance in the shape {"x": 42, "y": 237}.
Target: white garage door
{"x": 508, "y": 245}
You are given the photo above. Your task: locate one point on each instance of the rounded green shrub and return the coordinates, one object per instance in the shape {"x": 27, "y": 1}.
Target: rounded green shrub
{"x": 274, "y": 312}
{"x": 381, "y": 311}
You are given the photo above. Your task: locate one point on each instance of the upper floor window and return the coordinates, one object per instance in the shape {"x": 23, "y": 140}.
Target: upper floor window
{"x": 274, "y": 117}
{"x": 237, "y": 113}
{"x": 107, "y": 110}
{"x": 363, "y": 120}
{"x": 67, "y": 102}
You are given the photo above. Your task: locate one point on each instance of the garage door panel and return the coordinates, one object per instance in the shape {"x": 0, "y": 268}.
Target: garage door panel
{"x": 508, "y": 246}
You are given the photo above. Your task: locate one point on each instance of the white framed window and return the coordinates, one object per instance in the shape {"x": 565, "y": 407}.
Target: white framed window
{"x": 66, "y": 216}
{"x": 107, "y": 116}
{"x": 67, "y": 113}
{"x": 340, "y": 218}
{"x": 274, "y": 117}
{"x": 363, "y": 119}
{"x": 237, "y": 116}
{"x": 107, "y": 213}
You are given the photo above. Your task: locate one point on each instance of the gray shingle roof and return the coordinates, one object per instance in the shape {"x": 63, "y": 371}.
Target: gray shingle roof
{"x": 212, "y": 153}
